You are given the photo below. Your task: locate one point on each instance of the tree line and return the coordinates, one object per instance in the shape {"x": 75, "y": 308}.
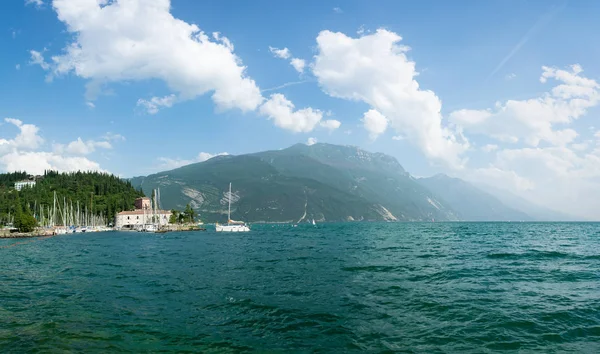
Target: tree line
{"x": 99, "y": 193}
{"x": 181, "y": 217}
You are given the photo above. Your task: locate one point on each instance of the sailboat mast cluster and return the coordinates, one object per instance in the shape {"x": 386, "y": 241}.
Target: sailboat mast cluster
{"x": 65, "y": 217}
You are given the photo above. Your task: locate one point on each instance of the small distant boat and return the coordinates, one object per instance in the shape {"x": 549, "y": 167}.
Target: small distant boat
{"x": 232, "y": 226}
{"x": 313, "y": 222}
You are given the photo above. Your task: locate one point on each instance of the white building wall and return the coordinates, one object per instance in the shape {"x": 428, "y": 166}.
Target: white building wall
{"x": 20, "y": 185}
{"x": 140, "y": 219}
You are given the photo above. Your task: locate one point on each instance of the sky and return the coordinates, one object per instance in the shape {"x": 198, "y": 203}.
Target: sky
{"x": 501, "y": 92}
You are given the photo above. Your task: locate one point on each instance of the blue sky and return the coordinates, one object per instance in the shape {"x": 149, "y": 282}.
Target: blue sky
{"x": 467, "y": 99}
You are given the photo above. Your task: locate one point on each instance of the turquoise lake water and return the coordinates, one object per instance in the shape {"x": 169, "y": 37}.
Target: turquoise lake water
{"x": 355, "y": 287}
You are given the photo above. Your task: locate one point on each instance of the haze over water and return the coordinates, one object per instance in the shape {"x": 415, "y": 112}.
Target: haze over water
{"x": 416, "y": 287}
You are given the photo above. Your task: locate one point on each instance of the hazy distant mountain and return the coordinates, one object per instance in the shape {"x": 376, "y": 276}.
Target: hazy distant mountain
{"x": 537, "y": 212}
{"x": 470, "y": 202}
{"x": 322, "y": 181}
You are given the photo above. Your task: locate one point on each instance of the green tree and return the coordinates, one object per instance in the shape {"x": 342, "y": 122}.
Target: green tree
{"x": 189, "y": 214}
{"x": 174, "y": 219}
{"x": 24, "y": 221}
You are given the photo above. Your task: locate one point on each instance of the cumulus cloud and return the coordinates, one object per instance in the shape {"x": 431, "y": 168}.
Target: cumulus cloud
{"x": 298, "y": 64}
{"x": 489, "y": 147}
{"x": 535, "y": 120}
{"x": 330, "y": 124}
{"x": 107, "y": 48}
{"x": 374, "y": 69}
{"x": 153, "y": 105}
{"x": 558, "y": 177}
{"x": 109, "y": 136}
{"x": 166, "y": 163}
{"x": 280, "y": 53}
{"x": 285, "y": 53}
{"x": 22, "y": 153}
{"x": 80, "y": 147}
{"x": 38, "y": 59}
{"x": 36, "y": 3}
{"x": 281, "y": 111}
{"x": 311, "y": 141}
{"x": 28, "y": 138}
{"x": 375, "y": 123}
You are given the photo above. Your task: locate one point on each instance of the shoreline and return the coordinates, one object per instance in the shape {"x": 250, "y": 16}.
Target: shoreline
{"x": 36, "y": 233}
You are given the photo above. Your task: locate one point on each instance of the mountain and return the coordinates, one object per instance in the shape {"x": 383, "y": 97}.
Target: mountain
{"x": 322, "y": 181}
{"x": 470, "y": 202}
{"x": 537, "y": 212}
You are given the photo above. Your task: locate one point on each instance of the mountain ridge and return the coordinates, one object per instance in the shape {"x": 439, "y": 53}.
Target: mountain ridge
{"x": 325, "y": 182}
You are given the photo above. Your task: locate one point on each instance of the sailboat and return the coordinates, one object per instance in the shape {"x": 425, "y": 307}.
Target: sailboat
{"x": 232, "y": 226}
{"x": 313, "y": 222}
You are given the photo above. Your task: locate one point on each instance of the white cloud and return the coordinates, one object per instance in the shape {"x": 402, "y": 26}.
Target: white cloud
{"x": 28, "y": 137}
{"x": 581, "y": 146}
{"x": 18, "y": 66}
{"x": 330, "y": 124}
{"x": 374, "y": 69}
{"x": 469, "y": 117}
{"x": 90, "y": 104}
{"x": 298, "y": 64}
{"x": 37, "y": 3}
{"x": 281, "y": 111}
{"x": 510, "y": 76}
{"x": 153, "y": 105}
{"x": 113, "y": 137}
{"x": 375, "y": 123}
{"x": 558, "y": 177}
{"x": 489, "y": 147}
{"x": 166, "y": 163}
{"x": 36, "y": 162}
{"x": 311, "y": 141}
{"x": 280, "y": 53}
{"x": 22, "y": 153}
{"x": 80, "y": 147}
{"x": 338, "y": 10}
{"x": 38, "y": 59}
{"x": 398, "y": 137}
{"x": 534, "y": 120}
{"x": 285, "y": 53}
{"x": 498, "y": 177}
{"x": 107, "y": 48}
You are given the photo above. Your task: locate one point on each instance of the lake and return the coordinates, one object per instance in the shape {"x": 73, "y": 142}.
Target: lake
{"x": 351, "y": 287}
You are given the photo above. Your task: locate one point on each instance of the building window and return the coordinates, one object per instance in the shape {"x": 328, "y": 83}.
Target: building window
{"x": 128, "y": 218}
{"x": 138, "y": 217}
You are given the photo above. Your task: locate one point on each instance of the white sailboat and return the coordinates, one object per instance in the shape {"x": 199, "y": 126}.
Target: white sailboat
{"x": 313, "y": 222}
{"x": 232, "y": 226}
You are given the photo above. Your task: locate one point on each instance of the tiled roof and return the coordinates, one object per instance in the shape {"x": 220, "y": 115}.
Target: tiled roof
{"x": 142, "y": 212}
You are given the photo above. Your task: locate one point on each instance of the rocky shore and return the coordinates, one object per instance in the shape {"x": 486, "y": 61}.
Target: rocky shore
{"x": 35, "y": 233}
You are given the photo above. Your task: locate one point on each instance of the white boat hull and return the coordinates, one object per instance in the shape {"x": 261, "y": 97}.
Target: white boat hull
{"x": 232, "y": 228}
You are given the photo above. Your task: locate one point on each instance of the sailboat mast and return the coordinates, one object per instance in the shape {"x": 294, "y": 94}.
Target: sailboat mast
{"x": 229, "y": 210}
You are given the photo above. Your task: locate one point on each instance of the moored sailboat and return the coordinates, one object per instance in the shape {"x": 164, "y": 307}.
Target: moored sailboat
{"x": 232, "y": 226}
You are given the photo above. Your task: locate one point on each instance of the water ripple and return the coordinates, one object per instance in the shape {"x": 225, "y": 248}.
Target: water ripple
{"x": 413, "y": 287}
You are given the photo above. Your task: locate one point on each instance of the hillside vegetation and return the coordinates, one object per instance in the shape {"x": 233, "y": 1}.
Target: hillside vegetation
{"x": 322, "y": 182}
{"x": 101, "y": 193}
